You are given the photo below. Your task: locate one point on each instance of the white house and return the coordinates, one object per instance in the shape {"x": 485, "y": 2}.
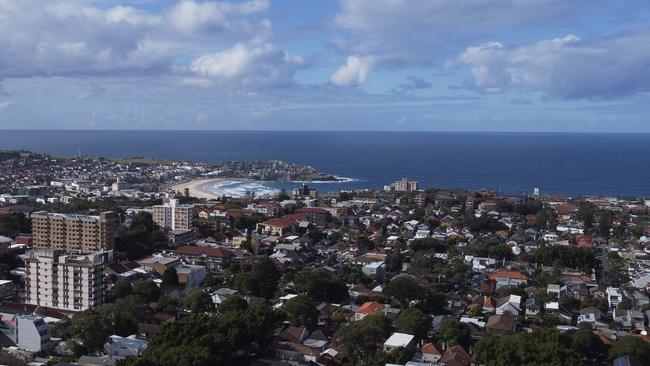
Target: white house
{"x": 399, "y": 340}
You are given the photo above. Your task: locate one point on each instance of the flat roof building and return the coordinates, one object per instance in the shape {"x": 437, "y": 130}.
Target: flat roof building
{"x": 67, "y": 282}
{"x": 173, "y": 215}
{"x": 74, "y": 233}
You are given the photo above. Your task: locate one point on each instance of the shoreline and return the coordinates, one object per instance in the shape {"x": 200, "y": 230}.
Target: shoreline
{"x": 196, "y": 189}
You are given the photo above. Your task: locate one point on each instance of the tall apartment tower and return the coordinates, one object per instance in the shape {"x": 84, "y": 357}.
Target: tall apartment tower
{"x": 173, "y": 216}
{"x": 74, "y": 233}
{"x": 405, "y": 185}
{"x": 66, "y": 282}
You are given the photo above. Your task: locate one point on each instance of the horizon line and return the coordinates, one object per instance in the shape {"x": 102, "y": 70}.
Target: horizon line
{"x": 314, "y": 131}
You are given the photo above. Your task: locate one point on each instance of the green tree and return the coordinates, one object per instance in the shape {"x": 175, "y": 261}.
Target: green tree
{"x": 637, "y": 349}
{"x": 167, "y": 304}
{"x": 262, "y": 280}
{"x": 122, "y": 316}
{"x": 232, "y": 303}
{"x": 141, "y": 238}
{"x": 200, "y": 302}
{"x": 301, "y": 311}
{"x": 91, "y": 329}
{"x": 319, "y": 287}
{"x": 170, "y": 277}
{"x": 147, "y": 290}
{"x": 403, "y": 289}
{"x": 605, "y": 218}
{"x": 202, "y": 340}
{"x": 586, "y": 213}
{"x": 361, "y": 340}
{"x": 413, "y": 321}
{"x": 121, "y": 288}
{"x": 545, "y": 346}
{"x": 14, "y": 223}
{"x": 454, "y": 332}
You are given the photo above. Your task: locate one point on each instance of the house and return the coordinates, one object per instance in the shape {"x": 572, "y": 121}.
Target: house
{"x": 533, "y": 306}
{"x": 637, "y": 319}
{"x": 554, "y": 308}
{"x": 315, "y": 215}
{"x": 317, "y": 340}
{"x": 622, "y": 317}
{"x": 158, "y": 263}
{"x": 510, "y": 304}
{"x": 399, "y": 340}
{"x": 213, "y": 258}
{"x": 429, "y": 353}
{"x": 553, "y": 290}
{"x": 221, "y": 294}
{"x": 278, "y": 226}
{"x": 293, "y": 333}
{"x": 614, "y": 297}
{"x": 508, "y": 278}
{"x": 190, "y": 275}
{"x": 500, "y": 324}
{"x": 376, "y": 269}
{"x": 456, "y": 356}
{"x": 369, "y": 308}
{"x": 591, "y": 316}
{"x": 124, "y": 347}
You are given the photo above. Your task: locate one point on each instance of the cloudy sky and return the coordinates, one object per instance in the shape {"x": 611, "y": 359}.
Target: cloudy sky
{"x": 413, "y": 65}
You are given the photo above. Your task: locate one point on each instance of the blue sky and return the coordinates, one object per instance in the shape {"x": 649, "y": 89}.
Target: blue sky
{"x": 403, "y": 65}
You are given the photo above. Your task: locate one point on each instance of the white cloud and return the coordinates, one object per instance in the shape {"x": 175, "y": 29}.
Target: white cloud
{"x": 132, "y": 16}
{"x": 402, "y": 32}
{"x": 567, "y": 68}
{"x": 46, "y": 38}
{"x": 354, "y": 72}
{"x": 247, "y": 65}
{"x": 191, "y": 16}
{"x": 5, "y": 104}
{"x": 76, "y": 38}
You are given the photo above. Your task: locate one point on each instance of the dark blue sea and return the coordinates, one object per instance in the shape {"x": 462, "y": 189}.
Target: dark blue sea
{"x": 605, "y": 164}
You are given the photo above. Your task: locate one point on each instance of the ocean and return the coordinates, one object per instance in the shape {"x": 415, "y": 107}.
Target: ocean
{"x": 514, "y": 163}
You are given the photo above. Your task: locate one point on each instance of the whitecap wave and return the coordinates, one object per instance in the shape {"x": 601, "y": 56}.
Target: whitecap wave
{"x": 238, "y": 188}
{"x": 338, "y": 180}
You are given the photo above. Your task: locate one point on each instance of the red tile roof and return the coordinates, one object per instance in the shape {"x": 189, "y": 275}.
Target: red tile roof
{"x": 508, "y": 274}
{"x": 371, "y": 308}
{"x": 430, "y": 348}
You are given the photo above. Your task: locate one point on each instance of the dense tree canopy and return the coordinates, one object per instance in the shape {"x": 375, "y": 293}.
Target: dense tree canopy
{"x": 637, "y": 349}
{"x": 14, "y": 223}
{"x": 454, "y": 332}
{"x": 142, "y": 238}
{"x": 543, "y": 347}
{"x": 301, "y": 311}
{"x": 147, "y": 290}
{"x": 413, "y": 321}
{"x": 170, "y": 277}
{"x": 260, "y": 280}
{"x": 572, "y": 257}
{"x": 204, "y": 340}
{"x": 361, "y": 339}
{"x": 199, "y": 302}
{"x": 319, "y": 287}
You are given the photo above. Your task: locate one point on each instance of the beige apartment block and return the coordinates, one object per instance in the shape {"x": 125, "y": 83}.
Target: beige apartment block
{"x": 74, "y": 233}
{"x": 173, "y": 216}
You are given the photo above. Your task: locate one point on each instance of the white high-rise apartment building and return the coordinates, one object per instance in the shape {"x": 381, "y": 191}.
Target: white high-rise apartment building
{"x": 173, "y": 216}
{"x": 404, "y": 185}
{"x": 67, "y": 282}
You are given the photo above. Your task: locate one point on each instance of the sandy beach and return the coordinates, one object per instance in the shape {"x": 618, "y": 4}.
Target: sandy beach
{"x": 196, "y": 188}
